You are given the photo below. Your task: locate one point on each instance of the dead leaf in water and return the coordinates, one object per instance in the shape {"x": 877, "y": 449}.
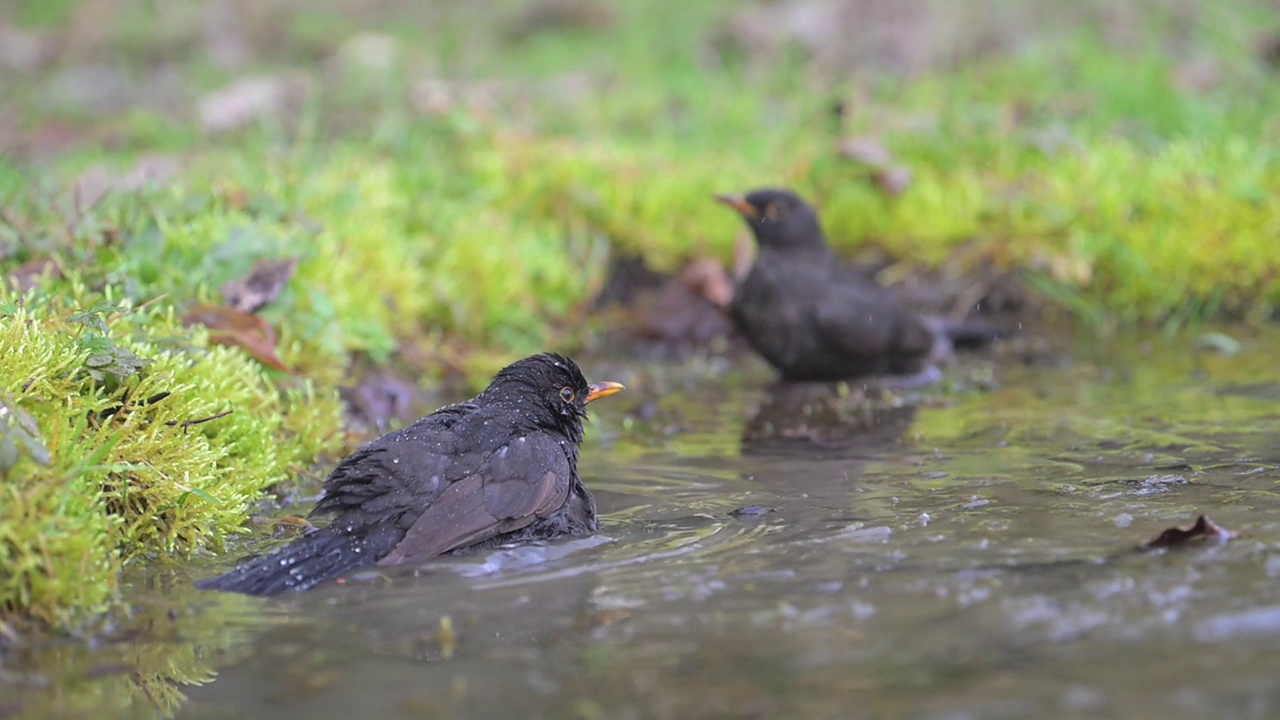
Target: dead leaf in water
{"x": 1203, "y": 528}
{"x": 286, "y": 526}
{"x": 598, "y": 620}
{"x": 230, "y": 327}
{"x": 261, "y": 286}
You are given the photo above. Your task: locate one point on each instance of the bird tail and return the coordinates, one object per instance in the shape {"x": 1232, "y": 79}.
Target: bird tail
{"x": 972, "y": 334}
{"x": 969, "y": 333}
{"x": 307, "y": 562}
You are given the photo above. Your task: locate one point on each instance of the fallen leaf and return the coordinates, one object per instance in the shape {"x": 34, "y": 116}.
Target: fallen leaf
{"x": 893, "y": 180}
{"x": 750, "y": 511}
{"x": 28, "y": 275}
{"x": 604, "y": 618}
{"x": 706, "y": 278}
{"x": 1198, "y": 76}
{"x": 688, "y": 308}
{"x": 545, "y": 15}
{"x": 249, "y": 100}
{"x": 230, "y": 327}
{"x": 286, "y": 526}
{"x": 866, "y": 151}
{"x": 890, "y": 177}
{"x": 103, "y": 179}
{"x": 261, "y": 286}
{"x": 1202, "y": 528}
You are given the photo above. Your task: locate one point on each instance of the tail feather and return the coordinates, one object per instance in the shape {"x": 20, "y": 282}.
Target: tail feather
{"x": 307, "y": 562}
{"x": 972, "y": 334}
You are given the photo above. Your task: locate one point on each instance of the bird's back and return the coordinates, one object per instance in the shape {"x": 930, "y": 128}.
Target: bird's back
{"x": 814, "y": 318}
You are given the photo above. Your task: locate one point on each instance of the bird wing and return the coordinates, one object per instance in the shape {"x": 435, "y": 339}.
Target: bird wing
{"x": 400, "y": 470}
{"x": 852, "y": 320}
{"x": 864, "y": 321}
{"x": 525, "y": 480}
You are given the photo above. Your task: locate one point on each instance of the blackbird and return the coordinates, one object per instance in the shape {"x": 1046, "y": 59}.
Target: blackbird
{"x": 814, "y": 318}
{"x": 501, "y": 467}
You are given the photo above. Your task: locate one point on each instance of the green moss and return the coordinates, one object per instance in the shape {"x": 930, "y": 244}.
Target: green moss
{"x": 156, "y": 445}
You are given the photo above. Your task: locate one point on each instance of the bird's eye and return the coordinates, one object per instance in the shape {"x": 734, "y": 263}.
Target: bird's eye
{"x": 772, "y": 211}
{"x": 566, "y": 394}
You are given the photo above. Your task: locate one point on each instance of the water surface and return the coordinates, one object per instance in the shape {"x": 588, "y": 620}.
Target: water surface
{"x": 966, "y": 555}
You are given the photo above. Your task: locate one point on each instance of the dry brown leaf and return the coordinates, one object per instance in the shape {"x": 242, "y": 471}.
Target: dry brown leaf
{"x": 261, "y": 286}
{"x": 291, "y": 525}
{"x": 242, "y": 103}
{"x": 707, "y": 278}
{"x": 866, "y": 151}
{"x": 893, "y": 180}
{"x": 688, "y": 308}
{"x": 1198, "y": 76}
{"x": 228, "y": 326}
{"x": 1203, "y": 528}
{"x": 28, "y": 274}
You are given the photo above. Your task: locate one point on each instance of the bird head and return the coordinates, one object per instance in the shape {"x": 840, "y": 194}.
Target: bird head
{"x": 778, "y": 218}
{"x": 551, "y": 390}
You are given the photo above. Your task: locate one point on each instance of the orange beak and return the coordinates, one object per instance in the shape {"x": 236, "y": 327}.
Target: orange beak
{"x": 739, "y": 203}
{"x": 602, "y": 389}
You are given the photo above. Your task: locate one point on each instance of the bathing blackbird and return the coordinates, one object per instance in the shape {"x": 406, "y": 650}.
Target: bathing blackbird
{"x": 814, "y": 318}
{"x": 500, "y": 467}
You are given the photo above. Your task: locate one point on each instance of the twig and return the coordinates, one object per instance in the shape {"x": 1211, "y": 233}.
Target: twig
{"x": 189, "y": 423}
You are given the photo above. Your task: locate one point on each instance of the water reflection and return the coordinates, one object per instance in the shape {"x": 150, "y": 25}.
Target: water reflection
{"x": 828, "y": 420}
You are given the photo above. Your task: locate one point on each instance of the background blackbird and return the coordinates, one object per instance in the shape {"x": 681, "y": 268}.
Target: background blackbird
{"x": 814, "y": 318}
{"x": 500, "y": 467}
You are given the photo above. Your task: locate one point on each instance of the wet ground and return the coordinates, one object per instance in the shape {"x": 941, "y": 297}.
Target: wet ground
{"x": 967, "y": 554}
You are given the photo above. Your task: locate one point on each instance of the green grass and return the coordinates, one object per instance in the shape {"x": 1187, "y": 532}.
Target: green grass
{"x": 480, "y": 231}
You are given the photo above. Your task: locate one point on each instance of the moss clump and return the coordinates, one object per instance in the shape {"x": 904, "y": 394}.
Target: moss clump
{"x": 133, "y": 437}
{"x": 1136, "y": 234}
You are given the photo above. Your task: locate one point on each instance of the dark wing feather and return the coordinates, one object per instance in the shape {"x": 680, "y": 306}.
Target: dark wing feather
{"x": 863, "y": 322}
{"x": 518, "y": 484}
{"x": 400, "y": 468}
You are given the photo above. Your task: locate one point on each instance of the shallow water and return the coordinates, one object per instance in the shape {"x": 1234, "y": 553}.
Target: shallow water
{"x": 970, "y": 555}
